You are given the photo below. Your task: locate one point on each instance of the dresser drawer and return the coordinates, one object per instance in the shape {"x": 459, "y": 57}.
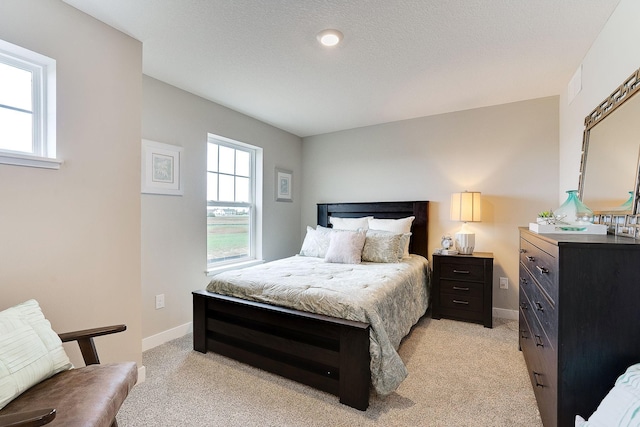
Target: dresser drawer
{"x": 463, "y": 289}
{"x": 542, "y": 372}
{"x": 472, "y": 269}
{"x": 538, "y": 304}
{"x": 542, "y": 266}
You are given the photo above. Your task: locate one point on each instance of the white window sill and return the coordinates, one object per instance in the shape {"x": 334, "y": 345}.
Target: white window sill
{"x": 228, "y": 267}
{"x": 29, "y": 161}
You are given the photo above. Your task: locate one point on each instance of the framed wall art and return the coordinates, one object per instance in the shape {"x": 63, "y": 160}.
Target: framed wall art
{"x": 161, "y": 172}
{"x": 284, "y": 181}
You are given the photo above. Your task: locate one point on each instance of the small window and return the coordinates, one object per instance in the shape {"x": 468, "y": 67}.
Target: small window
{"x": 27, "y": 107}
{"x": 231, "y": 206}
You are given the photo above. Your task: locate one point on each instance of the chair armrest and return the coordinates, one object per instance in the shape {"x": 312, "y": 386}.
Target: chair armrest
{"x": 38, "y": 417}
{"x": 85, "y": 340}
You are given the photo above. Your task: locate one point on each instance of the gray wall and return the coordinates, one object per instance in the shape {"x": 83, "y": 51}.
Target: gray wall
{"x": 508, "y": 152}
{"x": 174, "y": 227}
{"x": 71, "y": 237}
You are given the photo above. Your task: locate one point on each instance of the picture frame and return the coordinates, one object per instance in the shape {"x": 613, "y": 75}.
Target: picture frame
{"x": 161, "y": 168}
{"x": 284, "y": 185}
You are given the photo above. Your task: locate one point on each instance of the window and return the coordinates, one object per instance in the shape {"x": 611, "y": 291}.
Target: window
{"x": 27, "y": 108}
{"x": 231, "y": 201}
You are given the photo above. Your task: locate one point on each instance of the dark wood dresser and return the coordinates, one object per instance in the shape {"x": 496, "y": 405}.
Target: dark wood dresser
{"x": 463, "y": 287}
{"x": 579, "y": 318}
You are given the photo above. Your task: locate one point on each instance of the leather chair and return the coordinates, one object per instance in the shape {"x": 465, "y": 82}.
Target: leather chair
{"x": 86, "y": 396}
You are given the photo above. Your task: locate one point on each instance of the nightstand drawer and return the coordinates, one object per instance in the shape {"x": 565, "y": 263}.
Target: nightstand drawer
{"x": 462, "y": 270}
{"x": 461, "y": 302}
{"x": 466, "y": 289}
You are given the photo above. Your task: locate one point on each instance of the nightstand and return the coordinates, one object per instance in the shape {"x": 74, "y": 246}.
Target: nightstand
{"x": 462, "y": 287}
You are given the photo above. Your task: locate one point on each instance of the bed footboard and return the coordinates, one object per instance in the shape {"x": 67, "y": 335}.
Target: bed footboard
{"x": 323, "y": 352}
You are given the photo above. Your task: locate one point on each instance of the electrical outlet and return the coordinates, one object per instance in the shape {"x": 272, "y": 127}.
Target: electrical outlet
{"x": 504, "y": 283}
{"x": 159, "y": 301}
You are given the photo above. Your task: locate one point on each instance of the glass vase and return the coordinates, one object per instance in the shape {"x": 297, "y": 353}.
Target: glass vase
{"x": 573, "y": 211}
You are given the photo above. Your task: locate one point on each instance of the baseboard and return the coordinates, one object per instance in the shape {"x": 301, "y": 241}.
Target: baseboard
{"x": 142, "y": 374}
{"x": 166, "y": 336}
{"x": 503, "y": 313}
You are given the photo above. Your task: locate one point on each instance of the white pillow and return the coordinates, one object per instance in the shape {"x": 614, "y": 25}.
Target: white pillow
{"x": 621, "y": 406}
{"x": 402, "y": 225}
{"x": 30, "y": 351}
{"x": 383, "y": 246}
{"x": 350, "y": 223}
{"x": 316, "y": 242}
{"x": 345, "y": 247}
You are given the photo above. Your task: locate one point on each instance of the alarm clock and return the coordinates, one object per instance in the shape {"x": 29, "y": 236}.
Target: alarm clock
{"x": 448, "y": 245}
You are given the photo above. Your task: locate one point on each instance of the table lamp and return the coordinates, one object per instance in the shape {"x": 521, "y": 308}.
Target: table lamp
{"x": 465, "y": 207}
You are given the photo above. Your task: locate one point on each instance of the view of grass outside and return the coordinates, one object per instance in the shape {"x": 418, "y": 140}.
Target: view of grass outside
{"x": 227, "y": 233}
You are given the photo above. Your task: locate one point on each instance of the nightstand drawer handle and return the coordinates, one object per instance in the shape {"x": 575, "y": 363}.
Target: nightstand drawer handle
{"x": 461, "y": 271}
{"x": 535, "y": 377}
{"x": 542, "y": 270}
{"x": 458, "y": 288}
{"x": 455, "y": 301}
{"x": 530, "y": 258}
{"x": 538, "y": 340}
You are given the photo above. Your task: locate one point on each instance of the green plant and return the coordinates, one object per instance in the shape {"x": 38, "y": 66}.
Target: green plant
{"x": 545, "y": 214}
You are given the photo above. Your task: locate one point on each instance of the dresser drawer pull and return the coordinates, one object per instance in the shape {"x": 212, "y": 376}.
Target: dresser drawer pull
{"x": 539, "y": 306}
{"x": 538, "y": 340}
{"x": 458, "y": 288}
{"x": 530, "y": 258}
{"x": 523, "y": 334}
{"x": 523, "y": 251}
{"x": 523, "y": 280}
{"x": 455, "y": 301}
{"x": 535, "y": 377}
{"x": 461, "y": 271}
{"x": 542, "y": 270}
{"x": 524, "y": 305}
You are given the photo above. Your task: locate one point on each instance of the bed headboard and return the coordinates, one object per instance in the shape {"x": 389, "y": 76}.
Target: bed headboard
{"x": 390, "y": 210}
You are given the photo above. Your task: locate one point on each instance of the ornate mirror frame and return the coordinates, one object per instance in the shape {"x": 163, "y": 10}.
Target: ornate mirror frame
{"x": 623, "y": 223}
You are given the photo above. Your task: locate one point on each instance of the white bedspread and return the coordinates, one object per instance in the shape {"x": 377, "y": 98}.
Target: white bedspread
{"x": 390, "y": 297}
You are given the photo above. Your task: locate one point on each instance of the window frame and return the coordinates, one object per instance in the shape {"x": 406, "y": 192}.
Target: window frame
{"x": 43, "y": 110}
{"x": 254, "y": 155}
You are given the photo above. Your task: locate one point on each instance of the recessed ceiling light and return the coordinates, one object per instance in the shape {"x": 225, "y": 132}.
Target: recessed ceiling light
{"x": 329, "y": 37}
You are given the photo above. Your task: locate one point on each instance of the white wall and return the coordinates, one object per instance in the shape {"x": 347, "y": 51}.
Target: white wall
{"x": 174, "y": 227}
{"x": 71, "y": 237}
{"x": 613, "y": 57}
{"x": 508, "y": 152}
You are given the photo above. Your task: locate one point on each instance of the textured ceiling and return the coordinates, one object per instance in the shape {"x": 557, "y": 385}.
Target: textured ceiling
{"x": 399, "y": 59}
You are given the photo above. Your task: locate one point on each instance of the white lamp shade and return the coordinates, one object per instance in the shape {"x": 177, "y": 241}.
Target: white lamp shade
{"x": 465, "y": 206}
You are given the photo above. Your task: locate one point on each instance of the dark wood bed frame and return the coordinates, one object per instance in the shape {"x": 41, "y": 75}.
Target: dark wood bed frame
{"x": 324, "y": 352}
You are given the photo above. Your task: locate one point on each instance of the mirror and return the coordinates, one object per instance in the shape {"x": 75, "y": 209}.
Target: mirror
{"x": 610, "y": 153}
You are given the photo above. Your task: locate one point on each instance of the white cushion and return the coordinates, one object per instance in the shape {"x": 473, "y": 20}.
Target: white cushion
{"x": 345, "y": 247}
{"x": 30, "y": 351}
{"x": 350, "y": 223}
{"x": 621, "y": 406}
{"x": 402, "y": 225}
{"x": 316, "y": 242}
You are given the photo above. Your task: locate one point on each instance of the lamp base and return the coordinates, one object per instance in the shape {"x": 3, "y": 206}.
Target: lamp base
{"x": 465, "y": 242}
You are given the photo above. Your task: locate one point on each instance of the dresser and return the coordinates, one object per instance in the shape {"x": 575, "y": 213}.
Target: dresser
{"x": 579, "y": 325}
{"x": 462, "y": 287}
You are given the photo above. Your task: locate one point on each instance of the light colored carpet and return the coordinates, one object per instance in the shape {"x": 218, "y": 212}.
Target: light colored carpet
{"x": 460, "y": 374}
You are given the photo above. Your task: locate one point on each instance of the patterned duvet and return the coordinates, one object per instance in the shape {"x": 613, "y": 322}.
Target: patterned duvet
{"x": 391, "y": 297}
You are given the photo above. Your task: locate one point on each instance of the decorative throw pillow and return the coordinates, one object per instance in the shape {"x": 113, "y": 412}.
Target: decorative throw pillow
{"x": 621, "y": 406}
{"x": 316, "y": 242}
{"x": 30, "y": 351}
{"x": 383, "y": 246}
{"x": 402, "y": 225}
{"x": 345, "y": 247}
{"x": 350, "y": 223}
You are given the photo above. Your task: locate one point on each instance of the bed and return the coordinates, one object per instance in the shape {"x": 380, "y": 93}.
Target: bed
{"x": 326, "y": 352}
